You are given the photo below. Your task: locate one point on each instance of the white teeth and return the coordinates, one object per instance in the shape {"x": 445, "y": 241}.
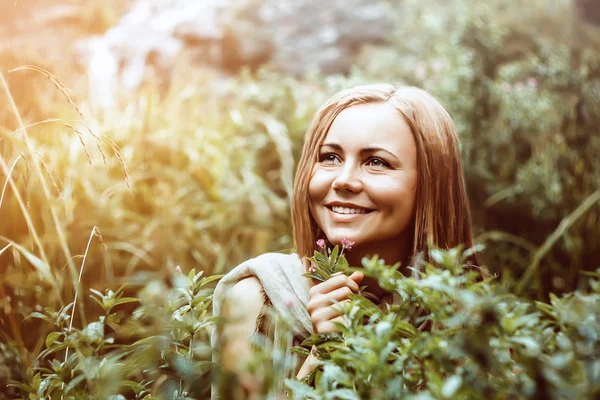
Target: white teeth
{"x": 346, "y": 210}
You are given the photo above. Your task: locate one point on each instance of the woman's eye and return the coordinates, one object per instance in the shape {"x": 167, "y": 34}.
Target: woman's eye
{"x": 329, "y": 158}
{"x": 378, "y": 162}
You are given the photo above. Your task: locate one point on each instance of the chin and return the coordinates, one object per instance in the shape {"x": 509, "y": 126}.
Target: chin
{"x": 335, "y": 238}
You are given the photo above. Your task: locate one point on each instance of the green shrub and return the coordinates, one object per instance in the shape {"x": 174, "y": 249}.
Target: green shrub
{"x": 451, "y": 336}
{"x": 522, "y": 83}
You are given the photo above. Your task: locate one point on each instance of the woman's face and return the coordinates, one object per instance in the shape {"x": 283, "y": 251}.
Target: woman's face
{"x": 363, "y": 186}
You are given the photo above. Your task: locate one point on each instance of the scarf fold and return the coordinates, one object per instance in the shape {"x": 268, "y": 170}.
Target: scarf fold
{"x": 281, "y": 278}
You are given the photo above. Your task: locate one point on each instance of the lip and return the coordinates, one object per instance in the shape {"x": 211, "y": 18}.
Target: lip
{"x": 335, "y": 217}
{"x": 347, "y": 205}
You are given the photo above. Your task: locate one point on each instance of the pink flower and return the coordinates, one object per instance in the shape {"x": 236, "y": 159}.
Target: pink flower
{"x": 347, "y": 244}
{"x": 311, "y": 268}
{"x": 178, "y": 269}
{"x": 532, "y": 82}
{"x": 321, "y": 243}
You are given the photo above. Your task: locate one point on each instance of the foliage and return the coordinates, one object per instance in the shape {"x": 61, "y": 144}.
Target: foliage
{"x": 162, "y": 349}
{"x": 522, "y": 84}
{"x": 327, "y": 262}
{"x": 450, "y": 335}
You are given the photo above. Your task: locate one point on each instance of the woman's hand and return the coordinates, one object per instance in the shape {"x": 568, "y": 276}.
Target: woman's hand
{"x": 322, "y": 298}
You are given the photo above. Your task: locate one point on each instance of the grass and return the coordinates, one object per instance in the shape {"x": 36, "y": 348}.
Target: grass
{"x": 180, "y": 178}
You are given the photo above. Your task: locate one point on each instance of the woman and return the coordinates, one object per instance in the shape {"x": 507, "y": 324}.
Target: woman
{"x": 380, "y": 167}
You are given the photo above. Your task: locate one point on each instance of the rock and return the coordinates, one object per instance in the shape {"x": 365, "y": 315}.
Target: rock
{"x": 294, "y": 36}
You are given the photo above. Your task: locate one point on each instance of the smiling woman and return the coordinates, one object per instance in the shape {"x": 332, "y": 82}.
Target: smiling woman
{"x": 380, "y": 167}
{"x": 363, "y": 186}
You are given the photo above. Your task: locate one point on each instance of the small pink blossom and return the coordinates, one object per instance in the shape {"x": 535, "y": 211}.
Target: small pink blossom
{"x": 347, "y": 244}
{"x": 178, "y": 269}
{"x": 311, "y": 268}
{"x": 321, "y": 243}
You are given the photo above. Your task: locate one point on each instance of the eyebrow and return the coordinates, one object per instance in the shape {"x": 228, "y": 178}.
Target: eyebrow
{"x": 366, "y": 150}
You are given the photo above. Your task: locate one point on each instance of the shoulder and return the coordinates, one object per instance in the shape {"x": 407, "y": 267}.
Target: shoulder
{"x": 247, "y": 289}
{"x": 244, "y": 299}
{"x": 248, "y": 279}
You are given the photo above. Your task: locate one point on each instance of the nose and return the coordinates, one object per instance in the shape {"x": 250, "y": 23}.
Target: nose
{"x": 347, "y": 180}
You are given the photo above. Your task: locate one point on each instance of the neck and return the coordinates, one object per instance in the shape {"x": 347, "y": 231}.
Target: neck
{"x": 391, "y": 251}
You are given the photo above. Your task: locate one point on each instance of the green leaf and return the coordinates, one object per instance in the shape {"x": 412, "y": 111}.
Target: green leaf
{"x": 94, "y": 331}
{"x": 39, "y": 315}
{"x": 210, "y": 279}
{"x": 320, "y": 258}
{"x": 365, "y": 304}
{"x": 333, "y": 258}
{"x": 301, "y": 351}
{"x": 342, "y": 265}
{"x": 124, "y": 300}
{"x": 314, "y": 276}
{"x": 197, "y": 276}
{"x": 451, "y": 386}
{"x": 321, "y": 338}
{"x": 51, "y": 350}
{"x": 300, "y": 390}
{"x": 51, "y": 338}
{"x": 99, "y": 302}
{"x": 191, "y": 275}
{"x": 74, "y": 382}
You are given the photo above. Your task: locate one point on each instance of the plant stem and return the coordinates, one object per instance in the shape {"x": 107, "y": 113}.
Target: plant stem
{"x": 553, "y": 238}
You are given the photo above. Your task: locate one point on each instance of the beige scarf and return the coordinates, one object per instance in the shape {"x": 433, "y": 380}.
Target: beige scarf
{"x": 281, "y": 278}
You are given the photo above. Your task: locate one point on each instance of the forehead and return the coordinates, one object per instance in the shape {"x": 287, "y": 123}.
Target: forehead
{"x": 367, "y": 125}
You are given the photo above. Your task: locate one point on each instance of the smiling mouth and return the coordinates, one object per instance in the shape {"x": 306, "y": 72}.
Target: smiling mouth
{"x": 348, "y": 210}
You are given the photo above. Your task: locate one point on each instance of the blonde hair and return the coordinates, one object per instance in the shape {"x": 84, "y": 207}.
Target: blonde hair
{"x": 442, "y": 215}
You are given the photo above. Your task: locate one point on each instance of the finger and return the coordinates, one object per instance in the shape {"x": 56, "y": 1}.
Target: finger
{"x": 329, "y": 285}
{"x": 325, "y": 300}
{"x": 330, "y": 326}
{"x": 357, "y": 276}
{"x": 323, "y": 314}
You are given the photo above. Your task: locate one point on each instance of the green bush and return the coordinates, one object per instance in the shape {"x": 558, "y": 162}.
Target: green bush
{"x": 522, "y": 83}
{"x": 474, "y": 340}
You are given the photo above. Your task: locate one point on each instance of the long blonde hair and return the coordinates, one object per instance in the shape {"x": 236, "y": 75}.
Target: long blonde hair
{"x": 442, "y": 215}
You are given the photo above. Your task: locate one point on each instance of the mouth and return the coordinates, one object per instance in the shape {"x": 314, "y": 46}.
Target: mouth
{"x": 348, "y": 210}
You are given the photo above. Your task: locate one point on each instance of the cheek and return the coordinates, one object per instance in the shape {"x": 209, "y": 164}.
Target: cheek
{"x": 318, "y": 186}
{"x": 394, "y": 194}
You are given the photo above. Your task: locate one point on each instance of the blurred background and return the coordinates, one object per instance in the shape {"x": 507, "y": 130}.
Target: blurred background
{"x": 166, "y": 133}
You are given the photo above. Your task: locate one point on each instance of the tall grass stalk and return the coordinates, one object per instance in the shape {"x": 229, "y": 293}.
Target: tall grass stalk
{"x": 28, "y": 220}
{"x": 8, "y": 174}
{"x": 564, "y": 225}
{"x": 52, "y": 207}
{"x": 87, "y": 249}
